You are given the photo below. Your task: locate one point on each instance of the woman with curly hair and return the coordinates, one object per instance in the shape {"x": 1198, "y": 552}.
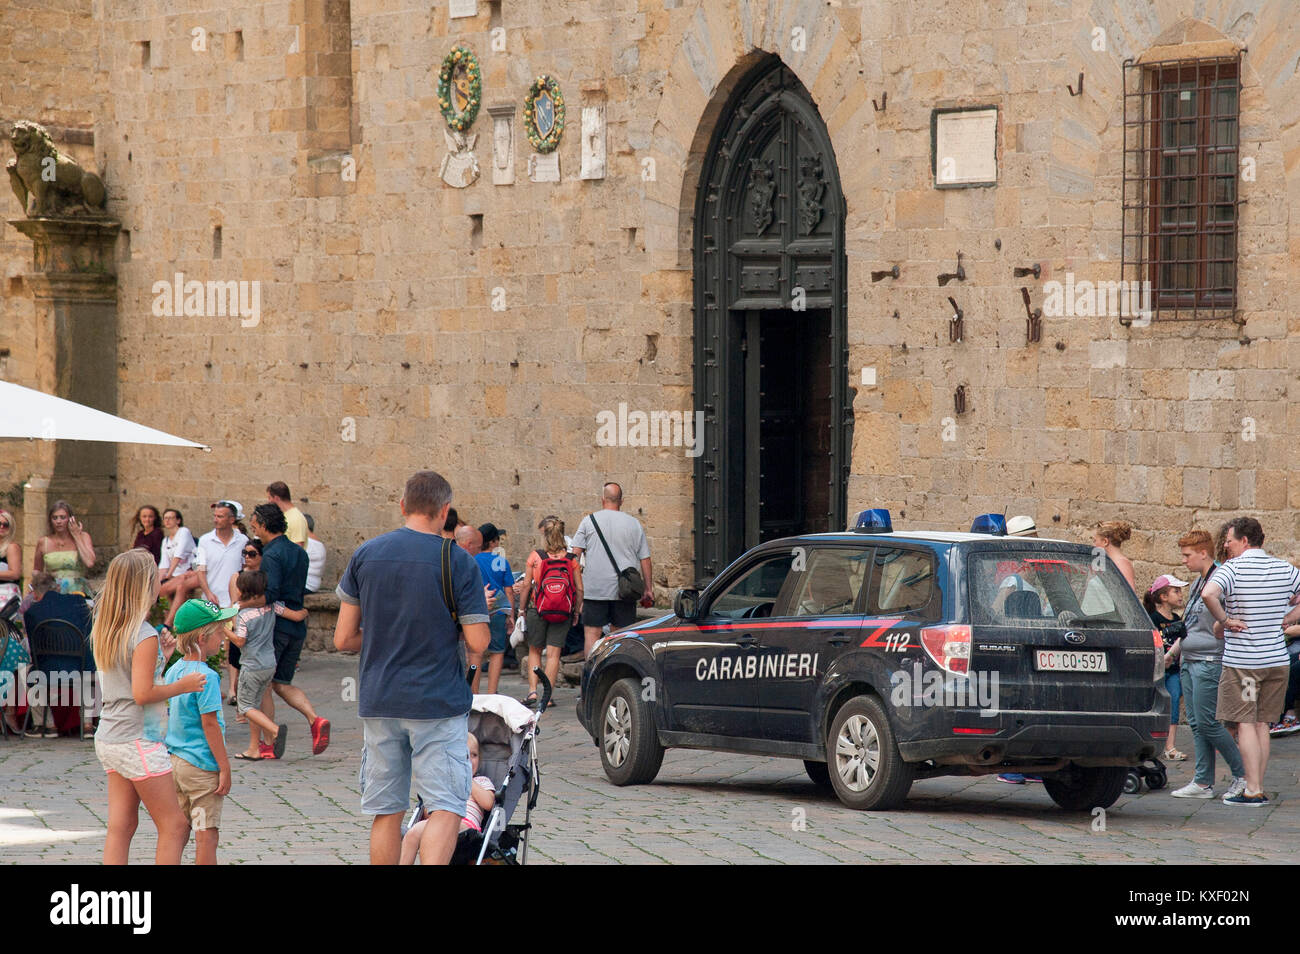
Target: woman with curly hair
{"x": 1108, "y": 535}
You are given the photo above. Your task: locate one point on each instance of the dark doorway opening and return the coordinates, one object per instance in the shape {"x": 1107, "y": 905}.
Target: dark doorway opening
{"x": 787, "y": 414}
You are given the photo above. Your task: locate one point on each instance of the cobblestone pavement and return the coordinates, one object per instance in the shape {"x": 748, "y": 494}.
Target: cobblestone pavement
{"x": 705, "y": 807}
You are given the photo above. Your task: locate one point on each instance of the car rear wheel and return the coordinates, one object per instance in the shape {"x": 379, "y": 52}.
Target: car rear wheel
{"x": 863, "y": 762}
{"x": 820, "y": 774}
{"x": 1081, "y": 789}
{"x": 629, "y": 746}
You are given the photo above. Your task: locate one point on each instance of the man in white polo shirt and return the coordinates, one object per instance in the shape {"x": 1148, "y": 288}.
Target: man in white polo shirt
{"x": 1249, "y": 597}
{"x": 220, "y": 553}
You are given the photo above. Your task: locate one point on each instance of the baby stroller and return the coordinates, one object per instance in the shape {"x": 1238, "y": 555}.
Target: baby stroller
{"x": 506, "y": 730}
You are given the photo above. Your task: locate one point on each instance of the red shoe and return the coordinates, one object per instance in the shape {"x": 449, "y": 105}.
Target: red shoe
{"x": 320, "y": 736}
{"x": 266, "y": 751}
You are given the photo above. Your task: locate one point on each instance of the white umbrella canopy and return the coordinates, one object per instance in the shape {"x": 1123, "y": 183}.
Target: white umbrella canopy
{"x": 34, "y": 414}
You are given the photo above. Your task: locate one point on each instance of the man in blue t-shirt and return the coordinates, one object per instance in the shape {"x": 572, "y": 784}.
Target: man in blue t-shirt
{"x": 413, "y": 699}
{"x": 496, "y": 574}
{"x": 285, "y": 566}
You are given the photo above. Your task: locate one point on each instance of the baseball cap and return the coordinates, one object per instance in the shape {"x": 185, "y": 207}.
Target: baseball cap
{"x": 1166, "y": 580}
{"x": 194, "y": 614}
{"x": 233, "y": 505}
{"x": 1021, "y": 526}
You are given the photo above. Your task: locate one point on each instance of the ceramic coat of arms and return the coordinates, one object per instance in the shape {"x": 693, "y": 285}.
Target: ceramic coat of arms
{"x": 460, "y": 88}
{"x": 544, "y": 114}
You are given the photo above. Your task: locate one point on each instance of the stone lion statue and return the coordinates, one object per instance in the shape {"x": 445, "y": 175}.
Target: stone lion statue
{"x": 54, "y": 183}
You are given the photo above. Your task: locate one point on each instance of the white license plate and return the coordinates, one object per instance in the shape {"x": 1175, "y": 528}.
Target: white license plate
{"x": 1068, "y": 660}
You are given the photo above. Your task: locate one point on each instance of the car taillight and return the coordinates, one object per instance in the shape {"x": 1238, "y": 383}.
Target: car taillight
{"x": 1160, "y": 655}
{"x": 948, "y": 646}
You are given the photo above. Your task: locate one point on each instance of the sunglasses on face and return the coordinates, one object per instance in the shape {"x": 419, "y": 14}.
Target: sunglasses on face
{"x": 251, "y": 553}
{"x": 4, "y": 525}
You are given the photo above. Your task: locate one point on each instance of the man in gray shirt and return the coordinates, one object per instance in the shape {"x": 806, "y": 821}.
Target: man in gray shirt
{"x": 628, "y": 545}
{"x": 1202, "y": 664}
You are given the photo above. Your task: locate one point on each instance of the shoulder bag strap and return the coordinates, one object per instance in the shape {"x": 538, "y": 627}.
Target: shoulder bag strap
{"x": 609, "y": 553}
{"x": 448, "y": 592}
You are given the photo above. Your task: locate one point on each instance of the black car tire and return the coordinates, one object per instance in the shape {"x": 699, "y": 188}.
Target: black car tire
{"x": 820, "y": 774}
{"x": 887, "y": 788}
{"x": 629, "y": 745}
{"x": 1083, "y": 789}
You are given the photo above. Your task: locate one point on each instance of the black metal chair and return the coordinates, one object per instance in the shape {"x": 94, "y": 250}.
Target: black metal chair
{"x": 58, "y": 637}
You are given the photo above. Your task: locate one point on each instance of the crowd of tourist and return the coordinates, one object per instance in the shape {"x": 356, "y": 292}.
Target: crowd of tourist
{"x": 1231, "y": 637}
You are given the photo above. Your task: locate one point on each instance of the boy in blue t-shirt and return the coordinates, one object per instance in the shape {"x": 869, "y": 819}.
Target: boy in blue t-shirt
{"x": 496, "y": 573}
{"x": 196, "y": 727}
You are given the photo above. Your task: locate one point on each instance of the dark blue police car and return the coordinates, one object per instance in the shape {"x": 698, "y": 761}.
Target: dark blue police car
{"x": 880, "y": 657}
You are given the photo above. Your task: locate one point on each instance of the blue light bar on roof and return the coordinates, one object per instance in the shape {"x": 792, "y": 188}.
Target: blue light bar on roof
{"x": 874, "y": 521}
{"x": 991, "y": 523}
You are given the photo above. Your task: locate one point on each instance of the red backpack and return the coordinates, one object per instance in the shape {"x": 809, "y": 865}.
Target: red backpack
{"x": 556, "y": 592}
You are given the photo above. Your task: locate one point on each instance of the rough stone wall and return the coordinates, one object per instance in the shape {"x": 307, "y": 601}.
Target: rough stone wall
{"x": 377, "y": 293}
{"x": 49, "y": 57}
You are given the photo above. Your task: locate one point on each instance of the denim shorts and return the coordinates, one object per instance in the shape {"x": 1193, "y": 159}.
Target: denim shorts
{"x": 431, "y": 753}
{"x": 499, "y": 631}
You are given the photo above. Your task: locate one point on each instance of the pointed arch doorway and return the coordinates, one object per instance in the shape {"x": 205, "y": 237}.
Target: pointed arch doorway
{"x": 771, "y": 348}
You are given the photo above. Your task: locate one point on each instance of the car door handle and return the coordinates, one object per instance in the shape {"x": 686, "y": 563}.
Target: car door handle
{"x": 746, "y": 640}
{"x": 837, "y": 639}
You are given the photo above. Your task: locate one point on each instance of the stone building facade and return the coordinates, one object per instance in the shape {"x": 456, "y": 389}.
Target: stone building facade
{"x": 483, "y": 331}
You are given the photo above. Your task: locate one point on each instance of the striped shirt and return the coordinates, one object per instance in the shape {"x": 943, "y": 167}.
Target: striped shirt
{"x": 1257, "y": 590}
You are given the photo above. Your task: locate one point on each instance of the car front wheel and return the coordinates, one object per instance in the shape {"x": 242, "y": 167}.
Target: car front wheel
{"x": 865, "y": 767}
{"x": 629, "y": 746}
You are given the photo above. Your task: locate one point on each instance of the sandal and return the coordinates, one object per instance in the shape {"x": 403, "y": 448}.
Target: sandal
{"x": 530, "y": 698}
{"x": 244, "y": 757}
{"x": 1174, "y": 755}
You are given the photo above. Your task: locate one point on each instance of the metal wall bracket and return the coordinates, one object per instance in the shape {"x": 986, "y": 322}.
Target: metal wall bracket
{"x": 1071, "y": 88}
{"x": 1036, "y": 270}
{"x": 959, "y": 399}
{"x": 884, "y": 98}
{"x": 960, "y": 274}
{"x": 1033, "y": 320}
{"x": 887, "y": 273}
{"x": 957, "y": 323}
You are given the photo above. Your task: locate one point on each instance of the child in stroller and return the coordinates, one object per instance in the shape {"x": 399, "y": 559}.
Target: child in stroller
{"x": 481, "y": 799}
{"x": 503, "y": 733}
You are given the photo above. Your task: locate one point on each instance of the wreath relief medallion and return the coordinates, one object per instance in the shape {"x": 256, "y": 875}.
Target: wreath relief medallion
{"x": 460, "y": 88}
{"x": 544, "y": 114}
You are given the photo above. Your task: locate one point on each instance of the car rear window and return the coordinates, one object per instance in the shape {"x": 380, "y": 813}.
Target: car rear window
{"x": 1037, "y": 588}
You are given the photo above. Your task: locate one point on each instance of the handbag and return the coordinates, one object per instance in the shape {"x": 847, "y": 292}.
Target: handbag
{"x": 631, "y": 584}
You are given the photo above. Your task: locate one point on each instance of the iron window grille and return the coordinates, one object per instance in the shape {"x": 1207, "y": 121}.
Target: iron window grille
{"x": 1180, "y": 194}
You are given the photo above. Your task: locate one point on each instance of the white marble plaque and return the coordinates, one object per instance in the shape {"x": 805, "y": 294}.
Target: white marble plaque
{"x": 503, "y": 144}
{"x": 544, "y": 167}
{"x": 462, "y": 8}
{"x": 966, "y": 148}
{"x": 593, "y": 142}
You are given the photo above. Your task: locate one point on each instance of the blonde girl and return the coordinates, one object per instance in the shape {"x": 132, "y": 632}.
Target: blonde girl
{"x": 133, "y": 724}
{"x": 11, "y": 557}
{"x": 1108, "y": 535}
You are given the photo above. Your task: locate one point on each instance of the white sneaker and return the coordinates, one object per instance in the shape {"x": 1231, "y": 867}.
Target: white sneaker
{"x": 1192, "y": 790}
{"x": 1238, "y": 787}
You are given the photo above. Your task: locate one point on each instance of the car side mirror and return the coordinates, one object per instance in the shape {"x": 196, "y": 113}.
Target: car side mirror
{"x": 686, "y": 604}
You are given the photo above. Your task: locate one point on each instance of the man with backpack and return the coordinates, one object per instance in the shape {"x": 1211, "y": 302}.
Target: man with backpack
{"x": 615, "y": 544}
{"x": 553, "y": 600}
{"x": 417, "y": 591}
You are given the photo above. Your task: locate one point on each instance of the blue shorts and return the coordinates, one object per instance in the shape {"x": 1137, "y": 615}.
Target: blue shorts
{"x": 431, "y": 753}
{"x": 499, "y": 628}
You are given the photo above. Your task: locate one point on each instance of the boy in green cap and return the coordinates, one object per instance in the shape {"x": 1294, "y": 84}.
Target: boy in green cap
{"x": 195, "y": 725}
